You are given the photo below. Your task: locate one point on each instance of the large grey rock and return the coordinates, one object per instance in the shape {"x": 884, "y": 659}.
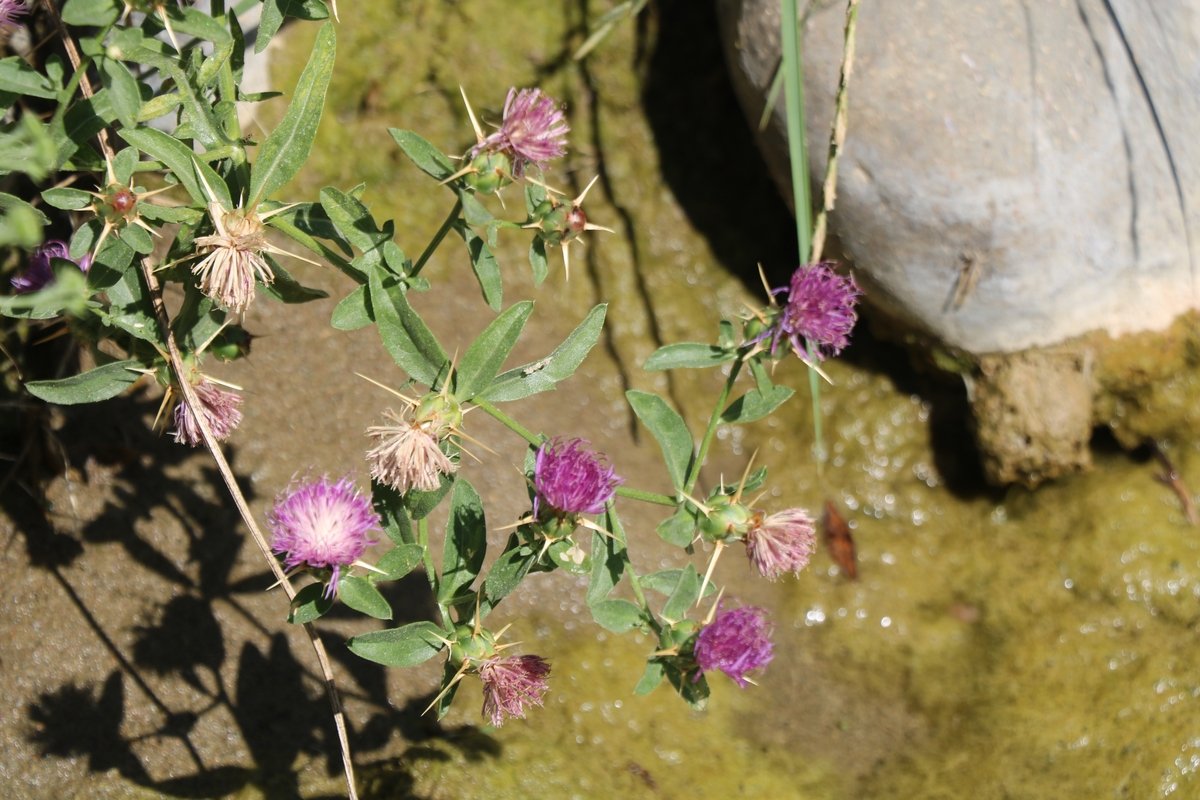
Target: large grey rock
{"x": 1044, "y": 151}
{"x": 1017, "y": 176}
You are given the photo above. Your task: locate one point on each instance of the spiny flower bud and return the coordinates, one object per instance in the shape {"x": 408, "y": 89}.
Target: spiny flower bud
{"x": 726, "y": 518}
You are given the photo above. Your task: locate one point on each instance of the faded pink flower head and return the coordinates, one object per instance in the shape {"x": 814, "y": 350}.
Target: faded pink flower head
{"x": 407, "y": 455}
{"x": 324, "y": 524}
{"x": 40, "y": 273}
{"x": 11, "y": 11}
{"x": 736, "y": 642}
{"x": 533, "y": 130}
{"x": 233, "y": 258}
{"x": 782, "y": 542}
{"x": 819, "y": 312}
{"x": 221, "y": 409}
{"x": 570, "y": 478}
{"x": 511, "y": 684}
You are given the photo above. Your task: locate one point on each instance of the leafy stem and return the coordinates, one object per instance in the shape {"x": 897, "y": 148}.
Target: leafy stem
{"x": 713, "y": 422}
{"x": 447, "y": 224}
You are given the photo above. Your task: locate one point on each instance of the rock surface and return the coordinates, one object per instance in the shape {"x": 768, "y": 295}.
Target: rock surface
{"x": 1016, "y": 175}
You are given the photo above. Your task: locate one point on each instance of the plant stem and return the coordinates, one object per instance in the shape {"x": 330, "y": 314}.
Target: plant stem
{"x": 509, "y": 422}
{"x": 713, "y": 422}
{"x": 447, "y": 224}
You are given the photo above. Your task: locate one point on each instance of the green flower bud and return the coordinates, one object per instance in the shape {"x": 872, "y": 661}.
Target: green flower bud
{"x": 467, "y": 645}
{"x": 438, "y": 413}
{"x": 490, "y": 173}
{"x": 725, "y": 519}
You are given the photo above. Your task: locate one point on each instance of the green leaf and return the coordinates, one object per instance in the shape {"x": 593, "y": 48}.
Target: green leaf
{"x": 287, "y": 289}
{"x": 353, "y": 311}
{"x": 287, "y": 148}
{"x": 688, "y": 355}
{"x": 487, "y": 269}
{"x": 608, "y": 558}
{"x": 449, "y": 688}
{"x": 428, "y": 158}
{"x": 18, "y": 77}
{"x": 183, "y": 164}
{"x": 507, "y": 573}
{"x": 91, "y": 13}
{"x": 678, "y": 529}
{"x": 123, "y": 91}
{"x": 92, "y": 386}
{"x": 353, "y": 221}
{"x": 389, "y": 505}
{"x": 401, "y": 560}
{"x": 405, "y": 646}
{"x": 466, "y": 541}
{"x": 684, "y": 596}
{"x": 138, "y": 239}
{"x": 541, "y": 376}
{"x": 668, "y": 429}
{"x": 665, "y": 581}
{"x": 274, "y": 12}
{"x": 487, "y": 353}
{"x": 617, "y": 616}
{"x": 9, "y": 202}
{"x": 754, "y": 405}
{"x": 405, "y": 335}
{"x": 420, "y": 504}
{"x": 650, "y": 679}
{"x": 67, "y": 199}
{"x": 309, "y": 604}
{"x": 537, "y": 260}
{"x": 361, "y": 595}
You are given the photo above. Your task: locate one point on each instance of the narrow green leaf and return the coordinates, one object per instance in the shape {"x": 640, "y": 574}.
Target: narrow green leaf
{"x": 466, "y": 541}
{"x": 668, "y": 428}
{"x": 665, "y": 581}
{"x": 287, "y": 289}
{"x": 688, "y": 355}
{"x": 353, "y": 221}
{"x": 537, "y": 261}
{"x": 678, "y": 529}
{"x": 287, "y": 148}
{"x": 686, "y": 592}
{"x": 182, "y": 162}
{"x": 309, "y": 604}
{"x": 361, "y": 595}
{"x": 650, "y": 679}
{"x": 506, "y": 574}
{"x": 754, "y": 405}
{"x": 485, "y": 266}
{"x": 487, "y": 353}
{"x": 138, "y": 239}
{"x": 353, "y": 311}
{"x": 123, "y": 91}
{"x": 617, "y": 616}
{"x": 428, "y": 158}
{"x": 420, "y": 504}
{"x": 541, "y": 376}
{"x": 405, "y": 335}
{"x": 18, "y": 77}
{"x": 92, "y": 386}
{"x": 401, "y": 560}
{"x": 449, "y": 688}
{"x": 9, "y": 202}
{"x": 608, "y": 559}
{"x": 405, "y": 646}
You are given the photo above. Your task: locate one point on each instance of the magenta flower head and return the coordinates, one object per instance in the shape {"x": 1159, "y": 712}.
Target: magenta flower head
{"x": 323, "y": 524}
{"x": 221, "y": 409}
{"x": 11, "y": 11}
{"x": 782, "y": 542}
{"x": 533, "y": 130}
{"x": 736, "y": 642}
{"x": 819, "y": 312}
{"x": 511, "y": 684}
{"x": 40, "y": 272}
{"x": 570, "y": 478}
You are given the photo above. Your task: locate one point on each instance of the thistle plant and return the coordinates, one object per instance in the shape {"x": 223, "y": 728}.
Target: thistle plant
{"x": 210, "y": 239}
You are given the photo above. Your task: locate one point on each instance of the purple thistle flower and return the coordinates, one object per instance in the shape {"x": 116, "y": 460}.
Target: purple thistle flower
{"x": 533, "y": 130}
{"x": 221, "y": 408}
{"x": 40, "y": 272}
{"x": 512, "y": 684}
{"x": 782, "y": 542}
{"x": 570, "y": 478}
{"x": 736, "y": 642}
{"x": 10, "y": 12}
{"x": 819, "y": 312}
{"x": 322, "y": 523}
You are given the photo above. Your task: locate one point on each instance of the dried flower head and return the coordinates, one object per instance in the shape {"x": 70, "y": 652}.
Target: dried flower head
{"x": 221, "y": 409}
{"x": 234, "y": 259}
{"x": 736, "y": 642}
{"x": 408, "y": 454}
{"x": 782, "y": 542}
{"x": 533, "y": 130}
{"x": 819, "y": 312}
{"x": 40, "y": 273}
{"x": 511, "y": 684}
{"x": 324, "y": 524}
{"x": 11, "y": 11}
{"x": 570, "y": 478}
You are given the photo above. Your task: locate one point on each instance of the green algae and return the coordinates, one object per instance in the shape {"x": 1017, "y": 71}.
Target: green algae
{"x": 997, "y": 645}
